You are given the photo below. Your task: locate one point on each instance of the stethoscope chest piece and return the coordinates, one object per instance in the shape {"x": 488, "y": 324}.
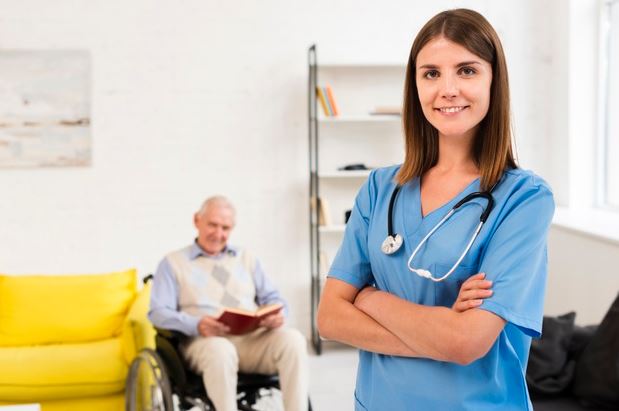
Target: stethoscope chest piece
{"x": 392, "y": 244}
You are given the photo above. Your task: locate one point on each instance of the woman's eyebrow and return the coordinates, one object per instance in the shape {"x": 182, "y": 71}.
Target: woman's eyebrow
{"x": 464, "y": 63}
{"x": 468, "y": 63}
{"x": 428, "y": 66}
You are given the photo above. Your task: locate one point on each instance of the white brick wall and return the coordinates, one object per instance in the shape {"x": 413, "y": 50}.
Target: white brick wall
{"x": 197, "y": 97}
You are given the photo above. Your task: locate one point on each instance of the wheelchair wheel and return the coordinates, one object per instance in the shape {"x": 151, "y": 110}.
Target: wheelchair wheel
{"x": 148, "y": 385}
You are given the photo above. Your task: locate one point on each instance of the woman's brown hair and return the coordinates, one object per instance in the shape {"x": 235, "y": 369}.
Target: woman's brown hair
{"x": 492, "y": 147}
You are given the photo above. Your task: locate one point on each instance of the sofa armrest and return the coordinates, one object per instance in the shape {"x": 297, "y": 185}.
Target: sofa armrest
{"x": 137, "y": 331}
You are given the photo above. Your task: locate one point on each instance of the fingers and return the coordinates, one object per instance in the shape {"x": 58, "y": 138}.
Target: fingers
{"x": 476, "y": 281}
{"x": 222, "y": 328}
{"x": 477, "y": 293}
{"x": 273, "y": 321}
{"x": 472, "y": 292}
{"x": 478, "y": 276}
{"x": 461, "y": 306}
{"x": 208, "y": 326}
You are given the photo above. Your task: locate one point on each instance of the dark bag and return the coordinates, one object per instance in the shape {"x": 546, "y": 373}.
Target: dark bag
{"x": 596, "y": 381}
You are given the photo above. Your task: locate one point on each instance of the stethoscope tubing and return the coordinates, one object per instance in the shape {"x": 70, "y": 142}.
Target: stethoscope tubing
{"x": 425, "y": 273}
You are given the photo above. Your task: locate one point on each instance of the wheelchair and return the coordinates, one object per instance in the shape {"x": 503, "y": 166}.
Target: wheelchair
{"x": 161, "y": 380}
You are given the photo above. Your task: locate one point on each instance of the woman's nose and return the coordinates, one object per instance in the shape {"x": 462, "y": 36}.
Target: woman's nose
{"x": 449, "y": 87}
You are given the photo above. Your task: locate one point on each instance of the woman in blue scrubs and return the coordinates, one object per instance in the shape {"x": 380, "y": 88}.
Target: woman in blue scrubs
{"x": 416, "y": 353}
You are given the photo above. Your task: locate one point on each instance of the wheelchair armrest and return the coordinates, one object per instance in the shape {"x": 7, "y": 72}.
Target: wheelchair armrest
{"x": 172, "y": 335}
{"x": 168, "y": 344}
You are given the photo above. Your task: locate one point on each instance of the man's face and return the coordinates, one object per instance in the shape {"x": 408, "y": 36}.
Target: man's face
{"x": 214, "y": 226}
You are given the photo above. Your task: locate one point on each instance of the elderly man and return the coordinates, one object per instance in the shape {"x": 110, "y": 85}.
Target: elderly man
{"x": 191, "y": 286}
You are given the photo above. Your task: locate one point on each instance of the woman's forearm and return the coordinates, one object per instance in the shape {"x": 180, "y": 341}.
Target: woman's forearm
{"x": 346, "y": 324}
{"x": 340, "y": 320}
{"x": 433, "y": 332}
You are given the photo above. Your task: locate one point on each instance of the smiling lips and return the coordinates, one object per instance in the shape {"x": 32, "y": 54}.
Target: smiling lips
{"x": 451, "y": 110}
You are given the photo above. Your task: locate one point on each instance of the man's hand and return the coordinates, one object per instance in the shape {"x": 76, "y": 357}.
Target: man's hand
{"x": 472, "y": 293}
{"x": 273, "y": 321}
{"x": 209, "y": 327}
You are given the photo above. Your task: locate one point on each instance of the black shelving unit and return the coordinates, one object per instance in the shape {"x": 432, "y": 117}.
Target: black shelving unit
{"x": 312, "y": 107}
{"x": 360, "y": 86}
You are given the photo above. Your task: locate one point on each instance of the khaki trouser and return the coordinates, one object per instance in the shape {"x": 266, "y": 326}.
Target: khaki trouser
{"x": 282, "y": 351}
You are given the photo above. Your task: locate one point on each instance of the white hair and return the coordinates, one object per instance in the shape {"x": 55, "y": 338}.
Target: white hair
{"x": 217, "y": 200}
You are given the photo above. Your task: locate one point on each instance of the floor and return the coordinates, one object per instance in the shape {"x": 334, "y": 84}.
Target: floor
{"x": 332, "y": 377}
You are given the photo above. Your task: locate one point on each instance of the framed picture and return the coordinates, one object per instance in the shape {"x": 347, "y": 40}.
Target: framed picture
{"x": 44, "y": 108}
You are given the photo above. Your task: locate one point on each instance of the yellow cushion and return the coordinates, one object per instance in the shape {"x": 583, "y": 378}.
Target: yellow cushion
{"x": 138, "y": 332}
{"x": 115, "y": 402}
{"x": 62, "y": 371}
{"x": 38, "y": 309}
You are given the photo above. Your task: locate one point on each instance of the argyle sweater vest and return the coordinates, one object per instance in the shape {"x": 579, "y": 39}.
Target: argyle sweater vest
{"x": 207, "y": 284}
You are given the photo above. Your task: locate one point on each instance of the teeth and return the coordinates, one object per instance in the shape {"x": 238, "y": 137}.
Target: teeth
{"x": 451, "y": 109}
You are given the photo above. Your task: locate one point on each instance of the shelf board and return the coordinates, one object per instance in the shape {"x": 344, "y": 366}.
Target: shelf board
{"x": 366, "y": 65}
{"x": 345, "y": 174}
{"x": 362, "y": 118}
{"x": 336, "y": 228}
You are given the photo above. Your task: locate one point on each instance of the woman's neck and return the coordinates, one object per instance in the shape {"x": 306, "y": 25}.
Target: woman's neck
{"x": 455, "y": 156}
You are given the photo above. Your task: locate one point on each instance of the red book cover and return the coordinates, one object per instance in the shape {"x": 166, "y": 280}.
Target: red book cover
{"x": 242, "y": 321}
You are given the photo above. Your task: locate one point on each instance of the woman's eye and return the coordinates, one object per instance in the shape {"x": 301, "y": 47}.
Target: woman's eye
{"x": 467, "y": 71}
{"x": 430, "y": 74}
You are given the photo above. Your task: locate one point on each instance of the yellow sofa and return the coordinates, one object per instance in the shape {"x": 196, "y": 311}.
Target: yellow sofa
{"x": 66, "y": 341}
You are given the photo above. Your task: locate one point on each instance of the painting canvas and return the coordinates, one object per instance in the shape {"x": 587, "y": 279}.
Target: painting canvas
{"x": 44, "y": 108}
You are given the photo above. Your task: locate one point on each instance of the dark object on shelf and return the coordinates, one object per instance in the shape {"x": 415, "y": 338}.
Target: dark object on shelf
{"x": 347, "y": 216}
{"x": 350, "y": 167}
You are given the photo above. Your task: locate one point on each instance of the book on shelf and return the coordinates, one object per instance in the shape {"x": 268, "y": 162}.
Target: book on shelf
{"x": 327, "y": 101}
{"x": 331, "y": 99}
{"x": 243, "y": 321}
{"x": 324, "y": 214}
{"x": 320, "y": 95}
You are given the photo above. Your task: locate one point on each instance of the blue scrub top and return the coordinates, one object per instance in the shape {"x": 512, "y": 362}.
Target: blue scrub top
{"x": 510, "y": 249}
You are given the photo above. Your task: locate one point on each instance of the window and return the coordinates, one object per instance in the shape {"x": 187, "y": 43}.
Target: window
{"x": 609, "y": 93}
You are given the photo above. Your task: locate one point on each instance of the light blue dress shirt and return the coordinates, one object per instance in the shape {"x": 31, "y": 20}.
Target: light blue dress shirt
{"x": 510, "y": 249}
{"x": 164, "y": 312}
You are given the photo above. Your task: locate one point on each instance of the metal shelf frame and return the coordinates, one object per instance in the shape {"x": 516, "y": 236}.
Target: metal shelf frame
{"x": 312, "y": 106}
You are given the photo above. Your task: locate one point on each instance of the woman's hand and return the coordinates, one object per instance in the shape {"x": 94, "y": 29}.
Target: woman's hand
{"x": 361, "y": 300}
{"x": 473, "y": 291}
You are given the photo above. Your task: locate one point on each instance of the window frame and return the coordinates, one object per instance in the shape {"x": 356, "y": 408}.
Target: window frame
{"x": 602, "y": 172}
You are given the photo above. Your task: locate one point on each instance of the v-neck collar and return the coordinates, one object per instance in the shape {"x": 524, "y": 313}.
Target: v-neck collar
{"x": 413, "y": 218}
{"x": 451, "y": 202}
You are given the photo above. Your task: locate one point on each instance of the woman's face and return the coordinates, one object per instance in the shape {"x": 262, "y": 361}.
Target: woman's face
{"x": 453, "y": 86}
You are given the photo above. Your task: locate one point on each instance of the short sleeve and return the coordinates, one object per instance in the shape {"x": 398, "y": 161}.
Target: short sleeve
{"x": 352, "y": 261}
{"x": 516, "y": 259}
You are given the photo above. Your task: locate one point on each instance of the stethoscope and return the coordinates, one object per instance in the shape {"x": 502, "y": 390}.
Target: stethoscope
{"x": 394, "y": 241}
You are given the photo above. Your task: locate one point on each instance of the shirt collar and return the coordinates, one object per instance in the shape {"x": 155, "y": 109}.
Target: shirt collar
{"x": 196, "y": 251}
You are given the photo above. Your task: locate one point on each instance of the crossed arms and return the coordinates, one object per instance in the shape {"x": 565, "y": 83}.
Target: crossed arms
{"x": 381, "y": 322}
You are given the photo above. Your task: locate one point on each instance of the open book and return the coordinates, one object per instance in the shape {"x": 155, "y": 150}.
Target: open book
{"x": 243, "y": 321}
